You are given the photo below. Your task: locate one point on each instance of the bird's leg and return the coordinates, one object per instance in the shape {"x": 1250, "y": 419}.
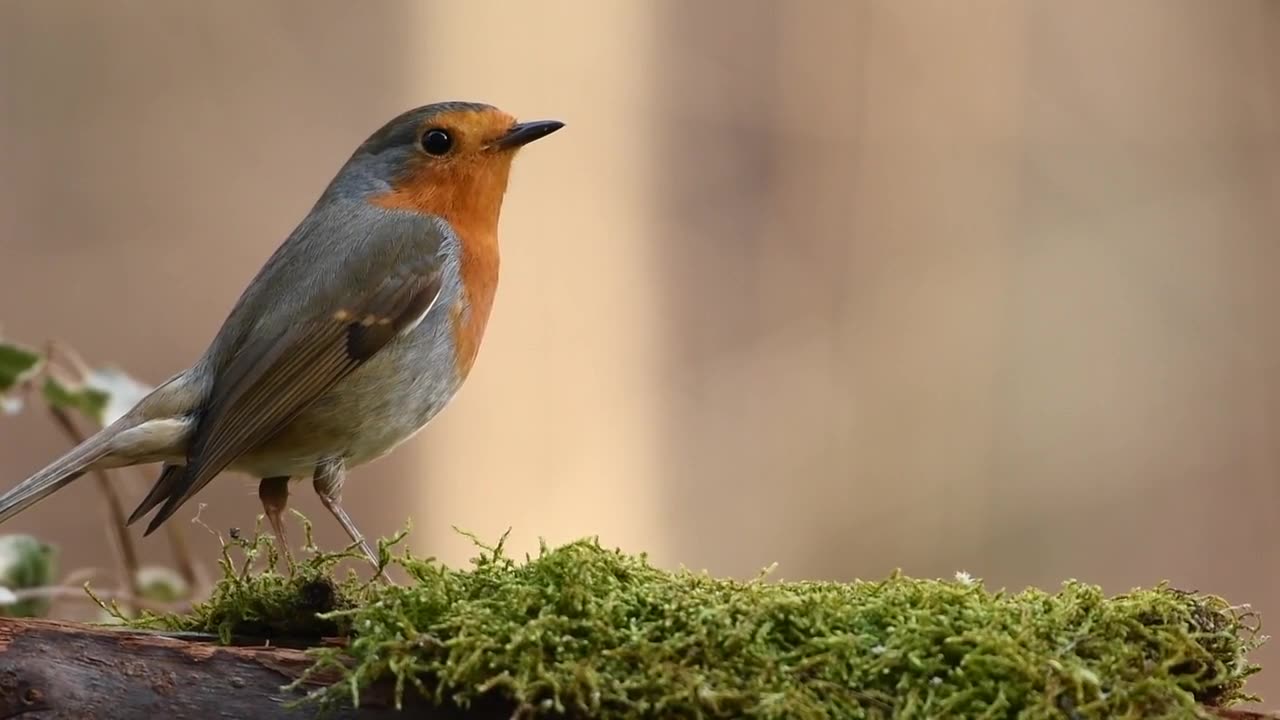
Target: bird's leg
{"x": 274, "y": 494}
{"x": 329, "y": 477}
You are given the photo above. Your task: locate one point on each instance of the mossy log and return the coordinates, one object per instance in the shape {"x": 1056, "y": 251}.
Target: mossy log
{"x": 587, "y": 633}
{"x": 52, "y": 670}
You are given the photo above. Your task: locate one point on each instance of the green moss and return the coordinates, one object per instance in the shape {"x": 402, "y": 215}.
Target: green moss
{"x": 260, "y": 596}
{"x": 585, "y": 631}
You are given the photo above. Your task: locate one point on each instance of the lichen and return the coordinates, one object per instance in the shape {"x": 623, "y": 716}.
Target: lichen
{"x": 585, "y": 631}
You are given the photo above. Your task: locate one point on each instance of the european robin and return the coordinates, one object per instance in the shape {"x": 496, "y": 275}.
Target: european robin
{"x": 360, "y": 327}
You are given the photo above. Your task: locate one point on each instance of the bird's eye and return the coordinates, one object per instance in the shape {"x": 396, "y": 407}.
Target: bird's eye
{"x": 436, "y": 142}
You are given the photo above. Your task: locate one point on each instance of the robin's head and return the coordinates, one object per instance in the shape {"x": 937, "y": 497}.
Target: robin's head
{"x": 450, "y": 159}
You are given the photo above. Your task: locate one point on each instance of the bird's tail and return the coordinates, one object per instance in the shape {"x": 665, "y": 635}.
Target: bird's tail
{"x": 155, "y": 429}
{"x": 56, "y": 474}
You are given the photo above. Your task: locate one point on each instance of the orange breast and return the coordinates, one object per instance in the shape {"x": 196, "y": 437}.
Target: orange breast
{"x": 469, "y": 196}
{"x": 479, "y": 271}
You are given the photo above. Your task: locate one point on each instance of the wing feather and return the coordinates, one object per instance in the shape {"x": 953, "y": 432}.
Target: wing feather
{"x": 273, "y": 379}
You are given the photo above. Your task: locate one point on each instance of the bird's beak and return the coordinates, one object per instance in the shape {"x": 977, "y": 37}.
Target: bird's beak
{"x": 524, "y": 133}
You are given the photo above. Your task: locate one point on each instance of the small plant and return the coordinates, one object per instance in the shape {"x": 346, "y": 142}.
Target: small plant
{"x": 72, "y": 391}
{"x": 26, "y": 566}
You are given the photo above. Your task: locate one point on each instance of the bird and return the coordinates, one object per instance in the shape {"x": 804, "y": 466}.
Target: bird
{"x": 356, "y": 331}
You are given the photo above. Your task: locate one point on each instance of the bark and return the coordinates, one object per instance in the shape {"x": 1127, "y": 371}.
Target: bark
{"x": 53, "y": 670}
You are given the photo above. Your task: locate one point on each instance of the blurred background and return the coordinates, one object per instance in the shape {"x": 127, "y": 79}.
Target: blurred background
{"x": 844, "y": 285}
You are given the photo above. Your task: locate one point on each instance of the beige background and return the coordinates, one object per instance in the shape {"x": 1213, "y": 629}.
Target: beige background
{"x": 848, "y": 286}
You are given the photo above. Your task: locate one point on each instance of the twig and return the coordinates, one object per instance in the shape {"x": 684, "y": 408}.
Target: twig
{"x": 63, "y": 363}
{"x": 58, "y": 353}
{"x": 61, "y": 592}
{"x": 55, "y": 351}
{"x": 79, "y": 576}
{"x": 75, "y": 577}
{"x": 192, "y": 573}
{"x": 126, "y": 552}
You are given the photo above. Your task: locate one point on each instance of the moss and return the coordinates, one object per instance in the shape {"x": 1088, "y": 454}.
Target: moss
{"x": 584, "y": 631}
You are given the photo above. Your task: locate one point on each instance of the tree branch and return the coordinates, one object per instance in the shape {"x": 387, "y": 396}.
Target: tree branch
{"x": 125, "y": 549}
{"x": 59, "y": 671}
{"x": 60, "y": 354}
{"x": 64, "y": 592}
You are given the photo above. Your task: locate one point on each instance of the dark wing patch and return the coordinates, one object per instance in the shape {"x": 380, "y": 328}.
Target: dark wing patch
{"x": 374, "y": 331}
{"x": 273, "y": 379}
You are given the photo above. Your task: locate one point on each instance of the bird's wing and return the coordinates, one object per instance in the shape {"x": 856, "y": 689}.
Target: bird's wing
{"x": 384, "y": 286}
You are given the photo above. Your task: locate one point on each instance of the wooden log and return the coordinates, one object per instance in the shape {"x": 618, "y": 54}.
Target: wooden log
{"x": 53, "y": 670}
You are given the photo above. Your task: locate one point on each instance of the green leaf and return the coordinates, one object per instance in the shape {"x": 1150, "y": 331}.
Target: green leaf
{"x": 25, "y": 562}
{"x": 16, "y": 364}
{"x": 161, "y": 584}
{"x": 90, "y": 401}
{"x": 122, "y": 391}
